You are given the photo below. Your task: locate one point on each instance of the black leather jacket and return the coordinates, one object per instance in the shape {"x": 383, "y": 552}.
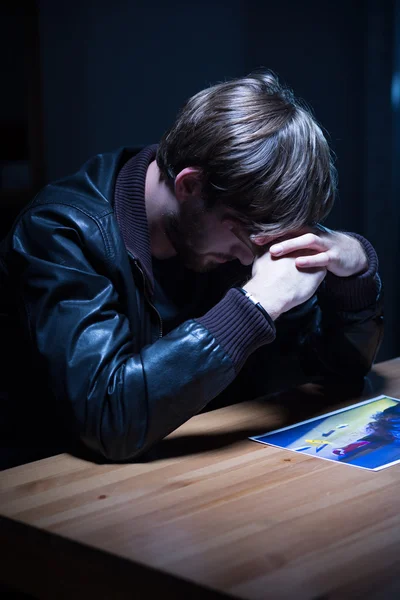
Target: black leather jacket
{"x": 84, "y": 350}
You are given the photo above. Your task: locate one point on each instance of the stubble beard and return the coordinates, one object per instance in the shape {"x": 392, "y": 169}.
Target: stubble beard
{"x": 185, "y": 234}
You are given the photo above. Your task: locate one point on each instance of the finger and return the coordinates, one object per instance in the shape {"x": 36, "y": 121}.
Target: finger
{"x": 315, "y": 260}
{"x": 309, "y": 241}
{"x": 260, "y": 240}
{"x": 265, "y": 239}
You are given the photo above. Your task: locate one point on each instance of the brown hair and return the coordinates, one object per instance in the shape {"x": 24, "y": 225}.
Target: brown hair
{"x": 262, "y": 153}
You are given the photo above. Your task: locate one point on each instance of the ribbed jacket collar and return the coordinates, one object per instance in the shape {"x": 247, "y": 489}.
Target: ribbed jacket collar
{"x": 130, "y": 209}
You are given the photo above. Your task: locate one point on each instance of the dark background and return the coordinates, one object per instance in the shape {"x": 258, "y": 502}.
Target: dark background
{"x": 86, "y": 76}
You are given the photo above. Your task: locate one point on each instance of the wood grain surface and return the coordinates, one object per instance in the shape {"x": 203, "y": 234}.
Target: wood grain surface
{"x": 212, "y": 508}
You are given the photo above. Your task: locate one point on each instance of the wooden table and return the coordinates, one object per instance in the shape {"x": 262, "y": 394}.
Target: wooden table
{"x": 214, "y": 516}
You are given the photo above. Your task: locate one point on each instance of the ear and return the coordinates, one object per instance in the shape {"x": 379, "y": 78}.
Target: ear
{"x": 188, "y": 184}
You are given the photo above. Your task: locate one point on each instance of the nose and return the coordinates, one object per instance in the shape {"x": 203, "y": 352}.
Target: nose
{"x": 243, "y": 253}
{"x": 242, "y": 246}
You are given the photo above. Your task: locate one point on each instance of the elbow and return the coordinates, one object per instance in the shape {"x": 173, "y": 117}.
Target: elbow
{"x": 112, "y": 452}
{"x": 115, "y": 425}
{"x": 115, "y": 446}
{"x": 122, "y": 448}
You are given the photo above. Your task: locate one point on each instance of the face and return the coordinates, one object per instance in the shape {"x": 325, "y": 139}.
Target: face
{"x": 206, "y": 239}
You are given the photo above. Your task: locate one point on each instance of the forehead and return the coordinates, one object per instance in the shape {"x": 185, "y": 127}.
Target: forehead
{"x": 254, "y": 233}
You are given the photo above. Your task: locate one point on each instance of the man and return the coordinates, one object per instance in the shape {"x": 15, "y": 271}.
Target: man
{"x": 137, "y": 289}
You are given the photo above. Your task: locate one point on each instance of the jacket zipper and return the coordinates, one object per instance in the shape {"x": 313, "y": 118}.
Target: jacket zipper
{"x": 136, "y": 263}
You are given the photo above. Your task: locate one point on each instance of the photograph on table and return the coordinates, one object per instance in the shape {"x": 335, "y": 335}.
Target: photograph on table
{"x": 365, "y": 435}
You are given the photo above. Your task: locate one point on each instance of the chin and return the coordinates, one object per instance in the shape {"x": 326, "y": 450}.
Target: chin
{"x": 200, "y": 265}
{"x": 204, "y": 268}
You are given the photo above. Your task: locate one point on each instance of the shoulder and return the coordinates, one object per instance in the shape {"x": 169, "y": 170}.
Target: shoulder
{"x": 89, "y": 190}
{"x": 79, "y": 206}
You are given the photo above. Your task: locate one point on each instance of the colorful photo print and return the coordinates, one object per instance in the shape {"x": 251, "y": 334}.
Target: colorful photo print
{"x": 365, "y": 435}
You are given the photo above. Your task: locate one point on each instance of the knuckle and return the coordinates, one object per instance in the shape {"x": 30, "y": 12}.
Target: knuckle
{"x": 333, "y": 254}
{"x": 310, "y": 238}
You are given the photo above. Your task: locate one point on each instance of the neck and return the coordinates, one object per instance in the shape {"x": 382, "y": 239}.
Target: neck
{"x": 160, "y": 201}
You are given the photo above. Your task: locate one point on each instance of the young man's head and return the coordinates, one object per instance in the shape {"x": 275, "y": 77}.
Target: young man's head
{"x": 247, "y": 151}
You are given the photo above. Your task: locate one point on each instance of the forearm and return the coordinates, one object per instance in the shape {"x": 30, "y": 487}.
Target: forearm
{"x": 350, "y": 322}
{"x": 344, "y": 346}
{"x": 137, "y": 401}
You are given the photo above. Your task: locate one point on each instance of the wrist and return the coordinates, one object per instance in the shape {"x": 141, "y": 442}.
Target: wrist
{"x": 353, "y": 259}
{"x": 273, "y": 309}
{"x": 368, "y": 259}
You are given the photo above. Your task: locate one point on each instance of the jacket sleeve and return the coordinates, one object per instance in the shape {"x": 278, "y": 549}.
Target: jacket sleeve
{"x": 120, "y": 398}
{"x": 348, "y": 329}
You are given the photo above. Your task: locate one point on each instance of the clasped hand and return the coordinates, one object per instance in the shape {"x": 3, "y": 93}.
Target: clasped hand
{"x": 339, "y": 253}
{"x": 292, "y": 269}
